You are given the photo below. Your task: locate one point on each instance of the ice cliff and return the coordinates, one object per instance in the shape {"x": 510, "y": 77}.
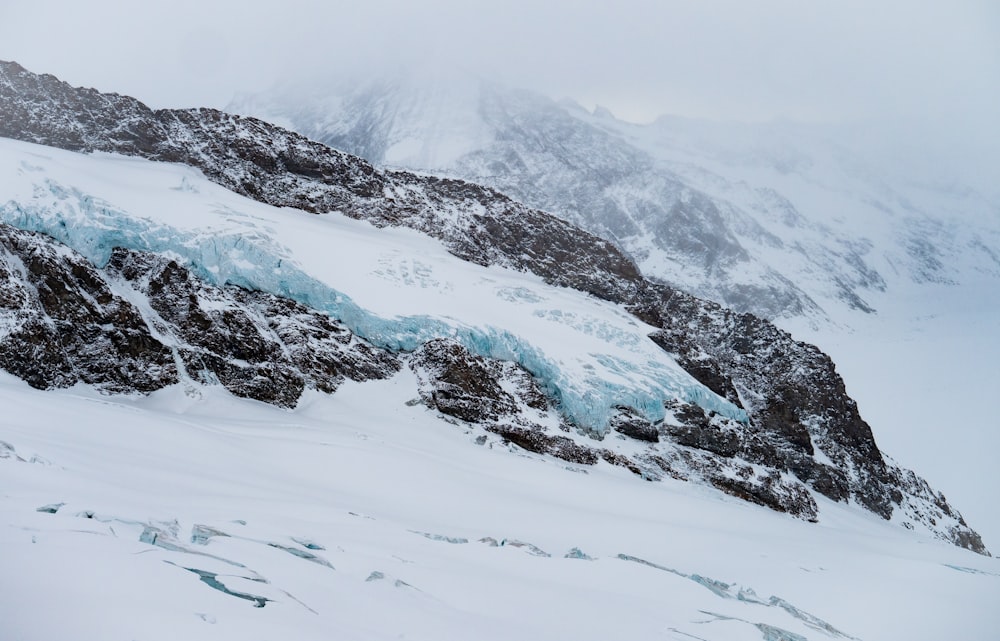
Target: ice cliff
{"x": 251, "y": 260}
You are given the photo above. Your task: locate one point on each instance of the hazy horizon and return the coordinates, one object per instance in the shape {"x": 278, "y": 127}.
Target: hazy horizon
{"x": 918, "y": 67}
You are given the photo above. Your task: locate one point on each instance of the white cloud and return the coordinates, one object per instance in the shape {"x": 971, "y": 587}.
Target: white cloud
{"x": 919, "y": 63}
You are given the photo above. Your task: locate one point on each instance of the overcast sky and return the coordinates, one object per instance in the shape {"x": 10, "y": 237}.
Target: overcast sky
{"x": 918, "y": 63}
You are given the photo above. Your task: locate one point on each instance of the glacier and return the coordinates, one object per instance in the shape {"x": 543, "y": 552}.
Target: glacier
{"x": 615, "y": 365}
{"x": 366, "y": 477}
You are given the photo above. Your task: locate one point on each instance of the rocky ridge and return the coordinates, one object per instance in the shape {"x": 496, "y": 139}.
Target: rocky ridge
{"x": 805, "y": 434}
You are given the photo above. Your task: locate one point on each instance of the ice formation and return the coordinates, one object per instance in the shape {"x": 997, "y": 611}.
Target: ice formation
{"x": 248, "y": 255}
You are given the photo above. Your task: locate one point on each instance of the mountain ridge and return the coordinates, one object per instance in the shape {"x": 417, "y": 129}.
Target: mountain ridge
{"x": 740, "y": 357}
{"x": 789, "y": 222}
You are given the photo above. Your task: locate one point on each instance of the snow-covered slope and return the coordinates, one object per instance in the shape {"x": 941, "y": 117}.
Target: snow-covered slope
{"x": 848, "y": 218}
{"x": 169, "y": 279}
{"x": 363, "y": 516}
{"x": 397, "y": 289}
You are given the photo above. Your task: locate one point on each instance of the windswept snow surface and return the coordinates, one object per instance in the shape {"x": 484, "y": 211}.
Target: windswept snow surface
{"x": 395, "y": 287}
{"x": 360, "y": 516}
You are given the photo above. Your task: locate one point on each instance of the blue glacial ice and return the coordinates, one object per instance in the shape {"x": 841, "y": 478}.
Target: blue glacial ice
{"x": 251, "y": 259}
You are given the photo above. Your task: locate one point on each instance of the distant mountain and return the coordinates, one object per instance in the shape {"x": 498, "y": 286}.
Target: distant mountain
{"x": 781, "y": 220}
{"x": 571, "y": 349}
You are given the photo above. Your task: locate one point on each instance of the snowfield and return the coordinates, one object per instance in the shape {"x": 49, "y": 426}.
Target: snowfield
{"x": 363, "y": 515}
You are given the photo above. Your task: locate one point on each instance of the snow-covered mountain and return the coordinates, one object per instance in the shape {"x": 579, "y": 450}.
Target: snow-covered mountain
{"x": 880, "y": 248}
{"x": 781, "y": 220}
{"x": 173, "y": 275}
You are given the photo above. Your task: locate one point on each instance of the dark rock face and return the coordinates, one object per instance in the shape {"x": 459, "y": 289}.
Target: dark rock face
{"x": 770, "y": 492}
{"x": 70, "y": 323}
{"x": 803, "y": 428}
{"x": 793, "y": 393}
{"x": 628, "y": 422}
{"x": 561, "y": 447}
{"x": 470, "y": 388}
{"x": 64, "y": 325}
{"x": 460, "y": 384}
{"x": 696, "y": 429}
{"x": 256, "y": 344}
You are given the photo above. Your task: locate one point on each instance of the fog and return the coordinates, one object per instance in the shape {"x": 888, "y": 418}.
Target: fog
{"x": 921, "y": 65}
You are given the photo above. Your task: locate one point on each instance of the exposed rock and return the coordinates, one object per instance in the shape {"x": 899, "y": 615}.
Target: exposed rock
{"x": 64, "y": 324}
{"x": 472, "y": 388}
{"x": 770, "y": 491}
{"x": 256, "y": 344}
{"x": 791, "y": 390}
{"x": 623, "y": 461}
{"x": 468, "y": 387}
{"x": 561, "y": 447}
{"x": 461, "y": 384}
{"x": 630, "y": 423}
{"x": 697, "y": 430}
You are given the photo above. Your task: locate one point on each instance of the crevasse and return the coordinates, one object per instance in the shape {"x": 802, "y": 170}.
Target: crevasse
{"x": 250, "y": 259}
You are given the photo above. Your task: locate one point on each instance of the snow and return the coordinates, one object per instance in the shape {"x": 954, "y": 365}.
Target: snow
{"x": 381, "y": 495}
{"x": 844, "y": 210}
{"x": 432, "y": 131}
{"x": 395, "y": 287}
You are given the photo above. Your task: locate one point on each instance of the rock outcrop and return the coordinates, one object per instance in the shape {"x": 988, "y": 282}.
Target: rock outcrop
{"x": 144, "y": 322}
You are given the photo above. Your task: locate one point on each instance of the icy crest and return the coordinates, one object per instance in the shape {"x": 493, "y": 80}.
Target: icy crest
{"x": 249, "y": 257}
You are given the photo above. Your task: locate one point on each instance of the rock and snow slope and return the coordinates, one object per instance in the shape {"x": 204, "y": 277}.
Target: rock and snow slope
{"x": 489, "y": 327}
{"x": 886, "y": 256}
{"x": 781, "y": 220}
{"x": 800, "y": 431}
{"x": 224, "y": 302}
